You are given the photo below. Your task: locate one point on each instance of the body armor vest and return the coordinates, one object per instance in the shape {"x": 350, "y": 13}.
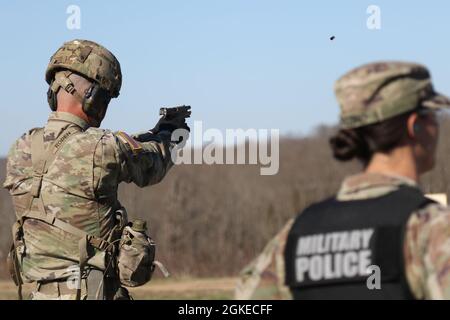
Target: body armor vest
{"x": 351, "y": 249}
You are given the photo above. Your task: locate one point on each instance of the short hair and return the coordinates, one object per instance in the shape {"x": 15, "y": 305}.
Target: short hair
{"x": 80, "y": 83}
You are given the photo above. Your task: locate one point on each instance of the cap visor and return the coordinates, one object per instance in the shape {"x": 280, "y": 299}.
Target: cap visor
{"x": 437, "y": 101}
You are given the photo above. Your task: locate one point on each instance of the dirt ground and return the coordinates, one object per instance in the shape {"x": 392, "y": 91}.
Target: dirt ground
{"x": 181, "y": 288}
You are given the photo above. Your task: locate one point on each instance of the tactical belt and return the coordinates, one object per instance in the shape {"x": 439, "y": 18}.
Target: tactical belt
{"x": 41, "y": 161}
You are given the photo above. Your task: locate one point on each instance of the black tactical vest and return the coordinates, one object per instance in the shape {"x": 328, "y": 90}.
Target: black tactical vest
{"x": 332, "y": 244}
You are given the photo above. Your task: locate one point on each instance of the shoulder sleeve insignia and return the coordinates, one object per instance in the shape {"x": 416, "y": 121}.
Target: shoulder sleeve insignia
{"x": 129, "y": 141}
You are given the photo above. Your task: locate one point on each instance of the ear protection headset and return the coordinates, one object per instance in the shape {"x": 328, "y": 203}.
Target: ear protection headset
{"x": 92, "y": 101}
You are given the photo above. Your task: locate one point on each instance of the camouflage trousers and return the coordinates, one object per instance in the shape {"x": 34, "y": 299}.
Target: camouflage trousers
{"x": 94, "y": 287}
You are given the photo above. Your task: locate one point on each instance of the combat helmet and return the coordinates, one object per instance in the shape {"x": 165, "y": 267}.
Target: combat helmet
{"x": 90, "y": 60}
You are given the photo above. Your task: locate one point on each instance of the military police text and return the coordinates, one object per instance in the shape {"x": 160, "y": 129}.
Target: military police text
{"x": 333, "y": 255}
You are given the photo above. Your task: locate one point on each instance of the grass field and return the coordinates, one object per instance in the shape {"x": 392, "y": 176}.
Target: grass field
{"x": 159, "y": 289}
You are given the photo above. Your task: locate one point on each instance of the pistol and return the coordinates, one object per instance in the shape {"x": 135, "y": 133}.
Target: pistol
{"x": 175, "y": 112}
{"x": 168, "y": 116}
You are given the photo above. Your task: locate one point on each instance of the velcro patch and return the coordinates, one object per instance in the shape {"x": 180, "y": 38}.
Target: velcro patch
{"x": 130, "y": 142}
{"x": 343, "y": 256}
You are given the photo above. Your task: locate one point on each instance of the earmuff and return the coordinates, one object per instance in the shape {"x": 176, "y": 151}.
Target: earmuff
{"x": 95, "y": 98}
{"x": 51, "y": 97}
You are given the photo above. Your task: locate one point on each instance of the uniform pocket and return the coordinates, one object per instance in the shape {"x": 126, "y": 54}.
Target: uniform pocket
{"x": 20, "y": 194}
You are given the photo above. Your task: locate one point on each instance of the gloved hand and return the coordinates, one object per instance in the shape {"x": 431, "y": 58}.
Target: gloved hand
{"x": 173, "y": 119}
{"x": 170, "y": 125}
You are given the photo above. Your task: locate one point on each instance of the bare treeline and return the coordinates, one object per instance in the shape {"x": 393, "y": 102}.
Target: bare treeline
{"x": 211, "y": 220}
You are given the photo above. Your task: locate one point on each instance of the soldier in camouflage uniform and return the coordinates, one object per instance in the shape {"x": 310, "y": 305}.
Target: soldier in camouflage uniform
{"x": 379, "y": 102}
{"x": 64, "y": 179}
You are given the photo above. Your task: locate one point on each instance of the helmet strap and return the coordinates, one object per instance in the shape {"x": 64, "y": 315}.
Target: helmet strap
{"x": 62, "y": 80}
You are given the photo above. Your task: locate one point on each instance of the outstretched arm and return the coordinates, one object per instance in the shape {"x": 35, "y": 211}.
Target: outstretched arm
{"x": 144, "y": 163}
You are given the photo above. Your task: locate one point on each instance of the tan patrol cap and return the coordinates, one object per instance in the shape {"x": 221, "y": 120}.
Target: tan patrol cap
{"x": 378, "y": 91}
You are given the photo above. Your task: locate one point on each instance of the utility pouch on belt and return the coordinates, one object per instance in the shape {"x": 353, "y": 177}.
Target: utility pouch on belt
{"x": 136, "y": 261}
{"x": 15, "y": 254}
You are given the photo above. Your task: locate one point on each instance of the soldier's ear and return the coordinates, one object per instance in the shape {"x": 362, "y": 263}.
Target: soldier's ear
{"x": 413, "y": 126}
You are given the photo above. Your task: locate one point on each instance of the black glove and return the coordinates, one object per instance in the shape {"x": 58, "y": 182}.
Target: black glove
{"x": 172, "y": 119}
{"x": 170, "y": 125}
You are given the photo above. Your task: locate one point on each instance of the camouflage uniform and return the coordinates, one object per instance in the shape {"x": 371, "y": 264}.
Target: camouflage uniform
{"x": 367, "y": 95}
{"x": 426, "y": 247}
{"x": 63, "y": 180}
{"x": 263, "y": 278}
{"x": 80, "y": 187}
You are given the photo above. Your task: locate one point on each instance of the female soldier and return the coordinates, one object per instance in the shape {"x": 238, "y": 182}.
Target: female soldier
{"x": 379, "y": 237}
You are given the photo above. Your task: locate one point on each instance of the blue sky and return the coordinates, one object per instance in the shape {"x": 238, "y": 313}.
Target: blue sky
{"x": 240, "y": 64}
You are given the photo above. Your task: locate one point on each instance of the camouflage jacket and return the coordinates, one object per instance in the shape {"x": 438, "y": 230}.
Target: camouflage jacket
{"x": 80, "y": 188}
{"x": 426, "y": 246}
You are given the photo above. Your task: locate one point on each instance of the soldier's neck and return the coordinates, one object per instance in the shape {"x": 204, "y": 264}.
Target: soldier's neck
{"x": 76, "y": 110}
{"x": 399, "y": 162}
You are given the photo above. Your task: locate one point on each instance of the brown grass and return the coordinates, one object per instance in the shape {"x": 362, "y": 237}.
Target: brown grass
{"x": 174, "y": 289}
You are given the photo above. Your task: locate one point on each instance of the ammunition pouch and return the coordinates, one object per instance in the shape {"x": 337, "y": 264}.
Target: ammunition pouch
{"x": 15, "y": 254}
{"x": 14, "y": 270}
